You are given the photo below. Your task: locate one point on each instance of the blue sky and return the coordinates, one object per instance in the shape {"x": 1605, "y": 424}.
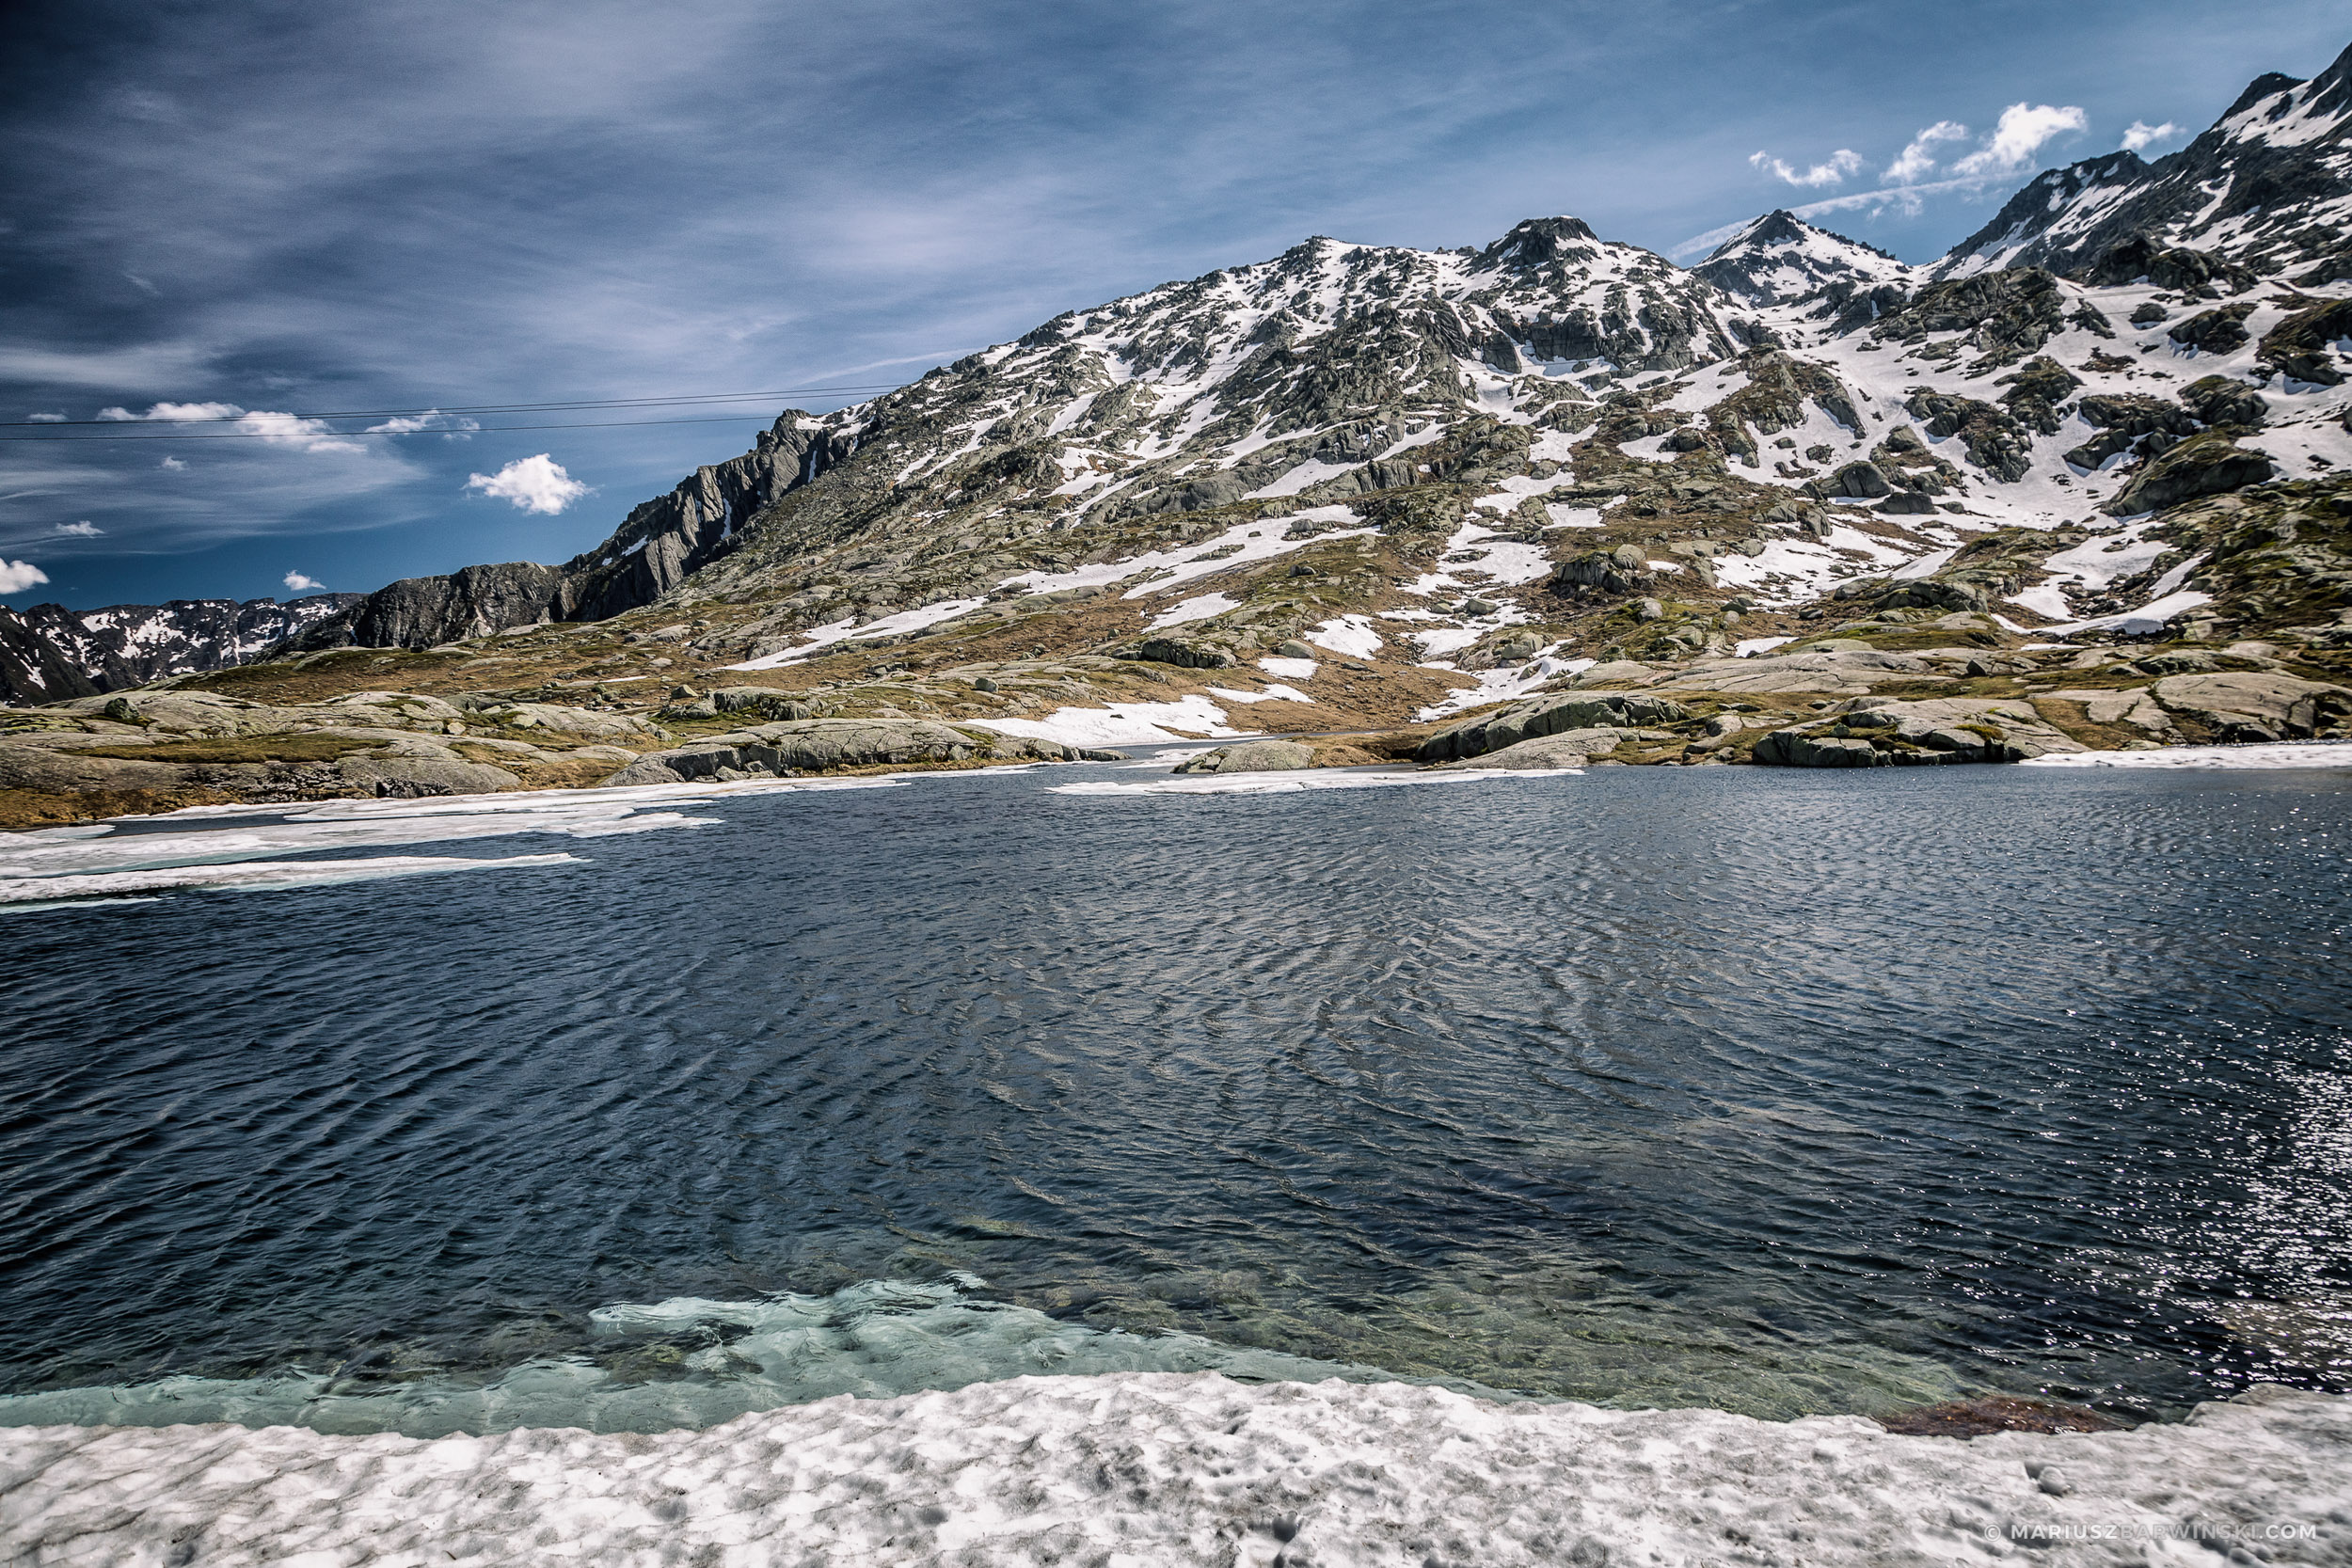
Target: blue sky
{"x": 295, "y": 208}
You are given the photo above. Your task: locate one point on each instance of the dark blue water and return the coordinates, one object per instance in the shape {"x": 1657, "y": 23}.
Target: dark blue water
{"x": 1774, "y": 1091}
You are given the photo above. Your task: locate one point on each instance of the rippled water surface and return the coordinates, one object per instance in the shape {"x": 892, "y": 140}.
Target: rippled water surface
{"x": 1772, "y": 1091}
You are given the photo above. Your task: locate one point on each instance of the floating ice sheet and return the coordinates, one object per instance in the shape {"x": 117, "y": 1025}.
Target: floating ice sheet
{"x": 219, "y": 846}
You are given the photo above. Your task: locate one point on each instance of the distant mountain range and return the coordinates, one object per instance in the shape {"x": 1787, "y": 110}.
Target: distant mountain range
{"x": 50, "y": 652}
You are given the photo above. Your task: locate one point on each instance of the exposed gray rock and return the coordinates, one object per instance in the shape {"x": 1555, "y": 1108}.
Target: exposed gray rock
{"x": 1185, "y": 653}
{"x": 1937, "y": 732}
{"x": 2207, "y": 465}
{"x": 1537, "y": 716}
{"x": 2222, "y": 400}
{"x": 406, "y": 778}
{"x": 806, "y": 745}
{"x": 1569, "y": 749}
{"x": 423, "y": 612}
{"x": 1251, "y": 757}
{"x": 2255, "y": 704}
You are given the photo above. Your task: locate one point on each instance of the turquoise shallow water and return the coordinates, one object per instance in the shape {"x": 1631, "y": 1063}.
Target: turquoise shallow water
{"x": 1768, "y": 1091}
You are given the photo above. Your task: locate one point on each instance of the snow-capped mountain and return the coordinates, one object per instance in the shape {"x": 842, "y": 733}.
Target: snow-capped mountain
{"x": 1494, "y": 462}
{"x": 50, "y": 652}
{"x": 1782, "y": 260}
{"x": 2269, "y": 187}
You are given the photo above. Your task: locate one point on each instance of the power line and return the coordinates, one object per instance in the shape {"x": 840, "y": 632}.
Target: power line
{"x": 339, "y": 434}
{"x": 476, "y": 408}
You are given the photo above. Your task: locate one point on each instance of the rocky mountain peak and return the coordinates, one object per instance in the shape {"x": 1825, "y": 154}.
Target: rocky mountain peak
{"x": 1539, "y": 242}
{"x": 1780, "y": 259}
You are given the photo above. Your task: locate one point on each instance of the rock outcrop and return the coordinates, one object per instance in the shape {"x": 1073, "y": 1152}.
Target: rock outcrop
{"x": 1935, "y": 733}
{"x": 1544, "y": 716}
{"x": 826, "y": 745}
{"x": 1251, "y": 757}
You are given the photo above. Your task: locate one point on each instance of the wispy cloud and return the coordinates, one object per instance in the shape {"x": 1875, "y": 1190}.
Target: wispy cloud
{"x": 289, "y": 430}
{"x": 44, "y": 418}
{"x": 84, "y": 530}
{"x": 2023, "y": 129}
{"x": 175, "y": 463}
{"x": 17, "y": 576}
{"x": 533, "y": 484}
{"x": 432, "y": 419}
{"x": 302, "y": 584}
{"x": 1916, "y": 161}
{"x": 1839, "y": 164}
{"x": 2140, "y": 133}
{"x": 2012, "y": 148}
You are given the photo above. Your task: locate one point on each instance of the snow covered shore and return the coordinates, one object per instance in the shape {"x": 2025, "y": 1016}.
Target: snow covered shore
{"x": 1159, "y": 1469}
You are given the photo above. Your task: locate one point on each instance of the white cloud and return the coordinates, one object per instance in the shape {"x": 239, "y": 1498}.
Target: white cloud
{"x": 1917, "y": 159}
{"x": 2019, "y": 135}
{"x": 46, "y": 418}
{"x": 432, "y": 418}
{"x": 1840, "y": 164}
{"x": 174, "y": 462}
{"x": 2140, "y": 133}
{"x": 533, "y": 483}
{"x": 17, "y": 576}
{"x": 301, "y": 584}
{"x": 84, "y": 530}
{"x": 291, "y": 430}
{"x": 176, "y": 412}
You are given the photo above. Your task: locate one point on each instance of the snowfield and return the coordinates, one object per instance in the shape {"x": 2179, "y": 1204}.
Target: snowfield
{"x": 1168, "y": 1468}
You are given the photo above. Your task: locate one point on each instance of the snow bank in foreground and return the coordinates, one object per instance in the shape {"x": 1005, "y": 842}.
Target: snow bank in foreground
{"x": 1194, "y": 1468}
{"x": 2284, "y": 754}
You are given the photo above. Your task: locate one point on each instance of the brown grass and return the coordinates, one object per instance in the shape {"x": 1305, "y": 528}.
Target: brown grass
{"x": 33, "y": 808}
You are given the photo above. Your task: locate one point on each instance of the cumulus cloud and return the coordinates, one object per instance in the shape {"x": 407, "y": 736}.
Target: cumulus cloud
{"x": 301, "y": 584}
{"x": 1916, "y": 161}
{"x": 174, "y": 462}
{"x": 533, "y": 483}
{"x": 84, "y": 530}
{"x": 286, "y": 430}
{"x": 17, "y": 576}
{"x": 2019, "y": 135}
{"x": 1840, "y": 164}
{"x": 2140, "y": 133}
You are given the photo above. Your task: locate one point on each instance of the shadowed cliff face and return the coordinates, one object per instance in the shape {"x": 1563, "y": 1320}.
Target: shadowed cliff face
{"x": 661, "y": 543}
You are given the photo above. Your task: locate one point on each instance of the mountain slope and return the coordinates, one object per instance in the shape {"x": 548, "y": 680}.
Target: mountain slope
{"x": 2269, "y": 187}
